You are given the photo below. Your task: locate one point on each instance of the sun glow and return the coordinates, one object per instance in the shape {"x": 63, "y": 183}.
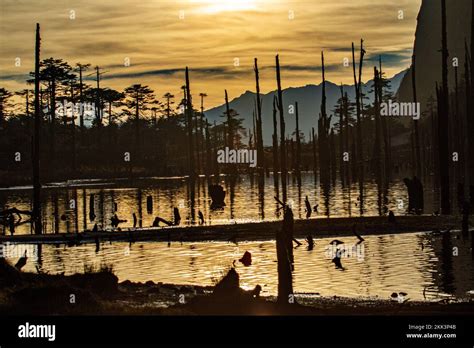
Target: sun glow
{"x": 216, "y": 6}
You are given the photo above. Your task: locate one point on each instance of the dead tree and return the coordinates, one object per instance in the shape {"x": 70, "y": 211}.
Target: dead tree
{"x": 417, "y": 159}
{"x": 284, "y": 248}
{"x": 357, "y": 86}
{"x": 471, "y": 104}
{"x": 354, "y": 159}
{"x": 387, "y": 166}
{"x": 283, "y": 153}
{"x": 197, "y": 145}
{"x": 275, "y": 143}
{"x": 200, "y": 129}
{"x": 230, "y": 135}
{"x": 259, "y": 135}
{"x": 292, "y": 157}
{"x": 323, "y": 132}
{"x": 377, "y": 141}
{"x": 341, "y": 136}
{"x": 332, "y": 155}
{"x": 208, "y": 151}
{"x": 443, "y": 117}
{"x": 215, "y": 146}
{"x": 347, "y": 133}
{"x": 298, "y": 148}
{"x": 466, "y": 126}
{"x": 189, "y": 111}
{"x": 315, "y": 158}
{"x": 455, "y": 126}
{"x": 36, "y": 140}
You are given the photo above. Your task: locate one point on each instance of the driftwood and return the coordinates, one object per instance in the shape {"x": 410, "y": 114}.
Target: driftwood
{"x": 7, "y": 217}
{"x": 158, "y": 219}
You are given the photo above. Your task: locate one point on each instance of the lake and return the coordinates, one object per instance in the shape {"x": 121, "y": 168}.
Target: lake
{"x": 67, "y": 206}
{"x": 420, "y": 264}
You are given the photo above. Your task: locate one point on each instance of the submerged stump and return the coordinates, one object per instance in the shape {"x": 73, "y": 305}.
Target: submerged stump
{"x": 217, "y": 194}
{"x": 284, "y": 247}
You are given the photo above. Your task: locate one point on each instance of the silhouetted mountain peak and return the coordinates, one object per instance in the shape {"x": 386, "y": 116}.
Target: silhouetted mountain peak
{"x": 309, "y": 104}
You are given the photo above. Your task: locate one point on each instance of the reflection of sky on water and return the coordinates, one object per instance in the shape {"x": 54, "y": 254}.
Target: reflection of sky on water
{"x": 385, "y": 264}
{"x": 244, "y": 202}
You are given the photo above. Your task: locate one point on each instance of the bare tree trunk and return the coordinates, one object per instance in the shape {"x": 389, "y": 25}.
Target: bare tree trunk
{"x": 332, "y": 156}
{"x": 73, "y": 133}
{"x": 81, "y": 98}
{"x": 52, "y": 140}
{"x": 275, "y": 143}
{"x": 208, "y": 151}
{"x": 467, "y": 124}
{"x": 346, "y": 136}
{"x": 323, "y": 132}
{"x": 137, "y": 129}
{"x": 230, "y": 135}
{"x": 455, "y": 125}
{"x": 298, "y": 148}
{"x": 387, "y": 163}
{"x": 197, "y": 145}
{"x": 189, "y": 109}
{"x": 315, "y": 159}
{"x": 443, "y": 117}
{"x": 230, "y": 132}
{"x": 259, "y": 135}
{"x": 417, "y": 159}
{"x": 37, "y": 141}
{"x": 215, "y": 140}
{"x": 341, "y": 137}
{"x": 377, "y": 141}
{"x": 202, "y": 136}
{"x": 284, "y": 240}
{"x": 434, "y": 140}
{"x": 471, "y": 104}
{"x": 357, "y": 85}
{"x": 282, "y": 132}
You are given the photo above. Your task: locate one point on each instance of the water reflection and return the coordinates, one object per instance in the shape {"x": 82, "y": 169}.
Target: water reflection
{"x": 68, "y": 209}
{"x": 410, "y": 263}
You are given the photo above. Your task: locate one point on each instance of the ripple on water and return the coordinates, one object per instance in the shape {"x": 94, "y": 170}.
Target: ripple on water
{"x": 386, "y": 264}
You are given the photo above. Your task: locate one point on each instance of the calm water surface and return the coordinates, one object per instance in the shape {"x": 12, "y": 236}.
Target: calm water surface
{"x": 68, "y": 209}
{"x": 419, "y": 264}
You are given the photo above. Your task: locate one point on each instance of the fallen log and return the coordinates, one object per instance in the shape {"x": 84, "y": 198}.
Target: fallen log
{"x": 318, "y": 228}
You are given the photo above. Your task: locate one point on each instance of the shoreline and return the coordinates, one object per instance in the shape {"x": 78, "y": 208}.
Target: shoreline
{"x": 144, "y": 299}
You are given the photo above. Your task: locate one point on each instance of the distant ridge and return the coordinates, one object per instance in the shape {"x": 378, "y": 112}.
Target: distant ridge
{"x": 309, "y": 103}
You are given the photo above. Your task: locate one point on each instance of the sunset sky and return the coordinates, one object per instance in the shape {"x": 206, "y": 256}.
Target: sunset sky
{"x": 161, "y": 37}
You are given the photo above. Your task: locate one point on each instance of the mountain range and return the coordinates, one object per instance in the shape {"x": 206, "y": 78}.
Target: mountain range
{"x": 309, "y": 104}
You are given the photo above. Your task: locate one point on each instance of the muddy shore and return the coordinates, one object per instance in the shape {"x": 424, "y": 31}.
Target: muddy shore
{"x": 99, "y": 293}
